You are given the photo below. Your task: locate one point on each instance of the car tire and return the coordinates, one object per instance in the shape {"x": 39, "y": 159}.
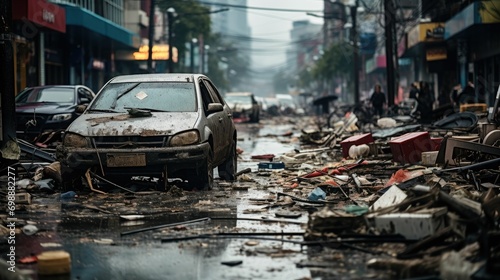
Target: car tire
{"x": 205, "y": 179}
{"x": 227, "y": 170}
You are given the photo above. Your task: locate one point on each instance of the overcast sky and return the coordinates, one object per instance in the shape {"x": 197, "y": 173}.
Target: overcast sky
{"x": 271, "y": 29}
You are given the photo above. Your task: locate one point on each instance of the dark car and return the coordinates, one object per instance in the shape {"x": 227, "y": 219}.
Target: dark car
{"x": 166, "y": 126}
{"x": 49, "y": 108}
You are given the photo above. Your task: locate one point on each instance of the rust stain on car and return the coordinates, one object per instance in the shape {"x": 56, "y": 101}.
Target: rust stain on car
{"x": 96, "y": 121}
{"x": 150, "y": 132}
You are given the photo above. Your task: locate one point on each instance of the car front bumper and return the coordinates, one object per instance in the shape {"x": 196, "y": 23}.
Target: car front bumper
{"x": 175, "y": 158}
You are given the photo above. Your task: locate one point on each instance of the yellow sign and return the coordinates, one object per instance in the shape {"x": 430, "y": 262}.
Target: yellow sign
{"x": 426, "y": 32}
{"x": 159, "y": 52}
{"x": 436, "y": 53}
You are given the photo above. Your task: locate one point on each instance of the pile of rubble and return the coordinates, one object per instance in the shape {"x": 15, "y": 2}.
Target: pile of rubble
{"x": 432, "y": 192}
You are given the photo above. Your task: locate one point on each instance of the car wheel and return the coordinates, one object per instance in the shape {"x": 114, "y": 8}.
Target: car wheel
{"x": 205, "y": 178}
{"x": 227, "y": 169}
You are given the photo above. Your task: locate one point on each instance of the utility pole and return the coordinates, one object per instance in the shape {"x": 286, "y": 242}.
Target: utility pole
{"x": 151, "y": 35}
{"x": 354, "y": 39}
{"x": 171, "y": 15}
{"x": 390, "y": 21}
{"x": 9, "y": 148}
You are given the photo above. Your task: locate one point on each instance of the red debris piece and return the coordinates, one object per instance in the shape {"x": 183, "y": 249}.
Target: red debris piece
{"x": 355, "y": 140}
{"x": 400, "y": 176}
{"x": 265, "y": 156}
{"x": 317, "y": 173}
{"x": 28, "y": 260}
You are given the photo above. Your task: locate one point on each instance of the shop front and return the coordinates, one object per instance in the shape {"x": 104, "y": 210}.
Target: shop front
{"x": 429, "y": 55}
{"x": 39, "y": 28}
{"x": 474, "y": 34}
{"x": 92, "y": 43}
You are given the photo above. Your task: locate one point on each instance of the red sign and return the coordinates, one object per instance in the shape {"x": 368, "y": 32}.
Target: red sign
{"x": 40, "y": 12}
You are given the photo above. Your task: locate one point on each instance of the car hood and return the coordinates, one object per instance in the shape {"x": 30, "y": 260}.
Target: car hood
{"x": 118, "y": 124}
{"x": 44, "y": 108}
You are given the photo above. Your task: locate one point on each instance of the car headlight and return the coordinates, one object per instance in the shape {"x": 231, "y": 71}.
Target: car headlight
{"x": 60, "y": 117}
{"x": 185, "y": 138}
{"x": 73, "y": 140}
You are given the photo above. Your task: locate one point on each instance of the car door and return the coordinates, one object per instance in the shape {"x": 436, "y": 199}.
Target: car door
{"x": 214, "y": 119}
{"x": 226, "y": 123}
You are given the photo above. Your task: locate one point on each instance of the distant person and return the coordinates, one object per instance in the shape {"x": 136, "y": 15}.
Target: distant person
{"x": 468, "y": 95}
{"x": 378, "y": 100}
{"x": 425, "y": 101}
{"x": 455, "y": 92}
{"x": 414, "y": 90}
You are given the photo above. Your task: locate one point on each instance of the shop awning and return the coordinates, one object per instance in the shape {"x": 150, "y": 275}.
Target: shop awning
{"x": 78, "y": 16}
{"x": 481, "y": 13}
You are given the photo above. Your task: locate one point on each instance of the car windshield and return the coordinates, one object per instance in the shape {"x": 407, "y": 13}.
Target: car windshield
{"x": 238, "y": 99}
{"x": 48, "y": 94}
{"x": 156, "y": 96}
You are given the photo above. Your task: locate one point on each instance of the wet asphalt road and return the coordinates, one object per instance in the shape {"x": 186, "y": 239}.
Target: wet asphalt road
{"x": 102, "y": 246}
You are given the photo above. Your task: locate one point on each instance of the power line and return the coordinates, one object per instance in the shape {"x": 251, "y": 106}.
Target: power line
{"x": 258, "y": 8}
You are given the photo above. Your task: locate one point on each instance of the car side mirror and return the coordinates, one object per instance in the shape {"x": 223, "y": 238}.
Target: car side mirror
{"x": 80, "y": 109}
{"x": 84, "y": 100}
{"x": 215, "y": 107}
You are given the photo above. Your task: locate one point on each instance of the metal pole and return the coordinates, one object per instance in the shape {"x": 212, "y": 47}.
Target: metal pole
{"x": 9, "y": 148}
{"x": 170, "y": 45}
{"x": 151, "y": 35}
{"x": 390, "y": 18}
{"x": 354, "y": 11}
{"x": 193, "y": 42}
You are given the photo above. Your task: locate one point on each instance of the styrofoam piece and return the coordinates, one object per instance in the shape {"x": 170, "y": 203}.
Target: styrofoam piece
{"x": 392, "y": 196}
{"x": 412, "y": 226}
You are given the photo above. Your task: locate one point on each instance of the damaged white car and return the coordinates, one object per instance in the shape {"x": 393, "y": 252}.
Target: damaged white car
{"x": 165, "y": 125}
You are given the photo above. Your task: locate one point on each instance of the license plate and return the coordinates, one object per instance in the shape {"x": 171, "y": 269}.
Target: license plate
{"x": 124, "y": 160}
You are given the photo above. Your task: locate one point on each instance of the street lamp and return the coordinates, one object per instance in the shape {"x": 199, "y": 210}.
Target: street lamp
{"x": 204, "y": 67}
{"x": 171, "y": 14}
{"x": 194, "y": 43}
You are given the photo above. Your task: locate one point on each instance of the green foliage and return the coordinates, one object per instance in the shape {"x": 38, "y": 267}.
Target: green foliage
{"x": 192, "y": 20}
{"x": 335, "y": 62}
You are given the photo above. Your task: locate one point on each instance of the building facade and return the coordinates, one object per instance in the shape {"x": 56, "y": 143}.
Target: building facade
{"x": 69, "y": 41}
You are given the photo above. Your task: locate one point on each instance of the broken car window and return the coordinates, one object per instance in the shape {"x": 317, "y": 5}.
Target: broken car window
{"x": 156, "y": 96}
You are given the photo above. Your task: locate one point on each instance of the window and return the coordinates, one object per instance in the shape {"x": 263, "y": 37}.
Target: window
{"x": 160, "y": 96}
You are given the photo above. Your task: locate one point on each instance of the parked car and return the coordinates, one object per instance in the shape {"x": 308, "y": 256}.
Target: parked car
{"x": 49, "y": 108}
{"x": 244, "y": 106}
{"x": 159, "y": 125}
{"x": 288, "y": 106}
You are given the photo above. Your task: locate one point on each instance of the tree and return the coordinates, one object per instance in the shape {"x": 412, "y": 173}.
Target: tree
{"x": 336, "y": 62}
{"x": 192, "y": 21}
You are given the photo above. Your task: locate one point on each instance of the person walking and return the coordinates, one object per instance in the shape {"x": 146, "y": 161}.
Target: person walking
{"x": 414, "y": 90}
{"x": 425, "y": 102}
{"x": 378, "y": 100}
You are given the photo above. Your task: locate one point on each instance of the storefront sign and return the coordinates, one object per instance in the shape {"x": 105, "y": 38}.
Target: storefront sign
{"x": 160, "y": 52}
{"x": 478, "y": 12}
{"x": 426, "y": 32}
{"x": 40, "y": 12}
{"x": 375, "y": 62}
{"x": 436, "y": 53}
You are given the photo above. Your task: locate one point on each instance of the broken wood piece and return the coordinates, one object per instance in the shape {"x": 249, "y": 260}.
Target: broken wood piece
{"x": 89, "y": 182}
